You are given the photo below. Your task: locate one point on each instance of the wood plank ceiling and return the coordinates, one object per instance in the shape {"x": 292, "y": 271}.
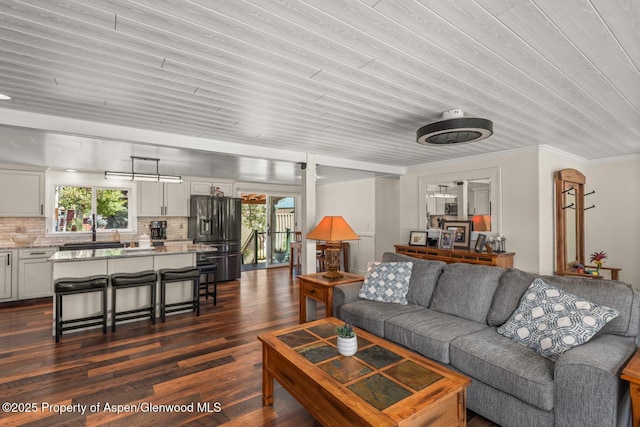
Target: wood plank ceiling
{"x": 349, "y": 79}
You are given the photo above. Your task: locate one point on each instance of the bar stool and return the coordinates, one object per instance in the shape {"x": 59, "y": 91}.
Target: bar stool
{"x": 133, "y": 280}
{"x": 207, "y": 270}
{"x": 171, "y": 275}
{"x": 80, "y": 285}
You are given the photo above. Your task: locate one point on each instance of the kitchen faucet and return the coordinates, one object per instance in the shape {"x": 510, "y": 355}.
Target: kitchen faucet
{"x": 93, "y": 227}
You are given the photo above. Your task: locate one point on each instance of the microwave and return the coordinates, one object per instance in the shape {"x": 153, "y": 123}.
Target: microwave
{"x": 451, "y": 209}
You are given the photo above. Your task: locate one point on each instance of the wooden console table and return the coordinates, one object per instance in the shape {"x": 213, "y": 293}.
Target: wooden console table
{"x": 631, "y": 373}
{"x": 503, "y": 259}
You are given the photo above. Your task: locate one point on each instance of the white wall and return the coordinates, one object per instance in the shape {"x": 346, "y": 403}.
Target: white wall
{"x": 519, "y": 199}
{"x": 387, "y": 197}
{"x": 613, "y": 225}
{"x": 550, "y": 161}
{"x": 527, "y": 206}
{"x": 355, "y": 202}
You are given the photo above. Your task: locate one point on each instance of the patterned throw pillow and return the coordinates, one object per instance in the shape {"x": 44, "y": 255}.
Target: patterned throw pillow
{"x": 387, "y": 281}
{"x": 551, "y": 321}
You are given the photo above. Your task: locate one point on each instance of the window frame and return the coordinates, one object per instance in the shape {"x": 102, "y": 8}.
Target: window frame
{"x": 95, "y": 182}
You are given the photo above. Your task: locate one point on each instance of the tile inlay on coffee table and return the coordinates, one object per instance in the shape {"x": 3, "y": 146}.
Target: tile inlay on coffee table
{"x": 397, "y": 385}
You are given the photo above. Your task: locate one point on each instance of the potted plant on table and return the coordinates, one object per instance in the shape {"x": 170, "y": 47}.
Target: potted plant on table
{"x": 347, "y": 340}
{"x": 280, "y": 253}
{"x": 598, "y": 258}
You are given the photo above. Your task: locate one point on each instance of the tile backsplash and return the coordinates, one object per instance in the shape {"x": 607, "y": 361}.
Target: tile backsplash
{"x": 36, "y": 226}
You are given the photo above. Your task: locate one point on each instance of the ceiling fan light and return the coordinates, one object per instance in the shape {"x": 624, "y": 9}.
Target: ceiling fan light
{"x": 455, "y": 130}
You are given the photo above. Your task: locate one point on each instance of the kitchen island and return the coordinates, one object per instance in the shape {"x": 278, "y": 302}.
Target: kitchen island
{"x": 89, "y": 262}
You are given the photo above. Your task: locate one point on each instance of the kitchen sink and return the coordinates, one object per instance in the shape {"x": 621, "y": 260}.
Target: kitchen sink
{"x": 79, "y": 246}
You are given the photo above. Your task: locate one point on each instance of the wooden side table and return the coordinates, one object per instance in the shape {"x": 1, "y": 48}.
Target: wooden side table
{"x": 314, "y": 287}
{"x": 631, "y": 373}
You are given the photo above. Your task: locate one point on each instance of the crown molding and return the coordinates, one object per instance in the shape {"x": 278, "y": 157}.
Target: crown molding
{"x": 617, "y": 159}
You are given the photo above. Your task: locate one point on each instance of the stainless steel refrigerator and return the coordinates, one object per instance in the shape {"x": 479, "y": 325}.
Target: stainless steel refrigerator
{"x": 217, "y": 222}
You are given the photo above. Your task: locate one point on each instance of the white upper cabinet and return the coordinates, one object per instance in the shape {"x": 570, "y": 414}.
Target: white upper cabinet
{"x": 481, "y": 202}
{"x": 21, "y": 193}
{"x": 163, "y": 199}
{"x": 209, "y": 188}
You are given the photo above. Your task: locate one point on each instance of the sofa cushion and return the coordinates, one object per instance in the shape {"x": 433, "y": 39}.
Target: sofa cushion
{"x": 371, "y": 315}
{"x": 386, "y": 282}
{"x": 466, "y": 290}
{"x": 424, "y": 277}
{"x": 429, "y": 332}
{"x": 505, "y": 365}
{"x": 513, "y": 283}
{"x": 551, "y": 321}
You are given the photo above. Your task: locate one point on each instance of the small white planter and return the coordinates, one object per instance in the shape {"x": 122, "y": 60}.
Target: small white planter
{"x": 347, "y": 346}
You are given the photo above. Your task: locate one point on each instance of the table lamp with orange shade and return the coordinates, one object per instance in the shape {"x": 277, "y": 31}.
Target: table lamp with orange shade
{"x": 333, "y": 230}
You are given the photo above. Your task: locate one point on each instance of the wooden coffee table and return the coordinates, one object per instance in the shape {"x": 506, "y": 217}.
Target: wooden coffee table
{"x": 382, "y": 385}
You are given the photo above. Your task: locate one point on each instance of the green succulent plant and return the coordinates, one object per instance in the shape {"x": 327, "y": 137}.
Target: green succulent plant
{"x": 346, "y": 331}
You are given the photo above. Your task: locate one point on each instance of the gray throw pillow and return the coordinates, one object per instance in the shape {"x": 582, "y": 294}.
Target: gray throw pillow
{"x": 387, "y": 282}
{"x": 424, "y": 277}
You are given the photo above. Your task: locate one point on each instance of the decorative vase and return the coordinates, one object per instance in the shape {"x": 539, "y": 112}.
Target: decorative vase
{"x": 279, "y": 256}
{"x": 347, "y": 346}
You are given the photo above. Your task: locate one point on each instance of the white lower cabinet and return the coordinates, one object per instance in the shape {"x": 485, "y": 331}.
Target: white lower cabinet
{"x": 7, "y": 260}
{"x": 35, "y": 273}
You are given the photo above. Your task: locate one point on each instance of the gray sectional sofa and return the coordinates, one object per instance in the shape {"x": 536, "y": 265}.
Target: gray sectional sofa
{"x": 452, "y": 316}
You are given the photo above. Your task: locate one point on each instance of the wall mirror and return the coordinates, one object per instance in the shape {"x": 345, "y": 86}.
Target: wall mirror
{"x": 472, "y": 195}
{"x": 569, "y": 202}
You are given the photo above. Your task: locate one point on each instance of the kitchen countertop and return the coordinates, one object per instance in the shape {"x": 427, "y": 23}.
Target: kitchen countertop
{"x": 94, "y": 254}
{"x": 11, "y": 245}
{"x": 7, "y": 244}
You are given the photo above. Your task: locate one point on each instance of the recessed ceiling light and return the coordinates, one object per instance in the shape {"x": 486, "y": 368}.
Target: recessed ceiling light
{"x": 71, "y": 170}
{"x": 4, "y": 97}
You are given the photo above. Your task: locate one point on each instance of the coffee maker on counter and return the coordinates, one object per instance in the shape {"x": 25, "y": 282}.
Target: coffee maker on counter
{"x": 158, "y": 230}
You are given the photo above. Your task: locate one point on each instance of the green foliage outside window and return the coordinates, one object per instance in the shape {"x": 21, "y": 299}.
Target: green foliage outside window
{"x": 74, "y": 209}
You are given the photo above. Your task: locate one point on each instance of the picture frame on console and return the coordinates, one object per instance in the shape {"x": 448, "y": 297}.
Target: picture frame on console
{"x": 418, "y": 238}
{"x": 480, "y": 242}
{"x": 461, "y": 233}
{"x": 446, "y": 240}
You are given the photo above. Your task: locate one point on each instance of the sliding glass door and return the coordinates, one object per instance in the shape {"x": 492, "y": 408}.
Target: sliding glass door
{"x": 268, "y": 226}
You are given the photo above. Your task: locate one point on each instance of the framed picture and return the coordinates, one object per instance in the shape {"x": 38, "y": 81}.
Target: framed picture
{"x": 461, "y": 233}
{"x": 418, "y": 238}
{"x": 446, "y": 240}
{"x": 482, "y": 239}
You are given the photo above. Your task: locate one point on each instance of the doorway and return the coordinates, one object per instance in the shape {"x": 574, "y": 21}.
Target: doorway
{"x": 268, "y": 226}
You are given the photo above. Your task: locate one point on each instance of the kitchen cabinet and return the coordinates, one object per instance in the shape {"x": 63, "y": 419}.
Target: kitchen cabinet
{"x": 437, "y": 205}
{"x": 22, "y": 193}
{"x": 481, "y": 204}
{"x": 163, "y": 199}
{"x": 207, "y": 188}
{"x": 35, "y": 273}
{"x": 7, "y": 273}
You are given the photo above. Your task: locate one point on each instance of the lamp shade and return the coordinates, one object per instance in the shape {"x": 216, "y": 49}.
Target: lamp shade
{"x": 333, "y": 229}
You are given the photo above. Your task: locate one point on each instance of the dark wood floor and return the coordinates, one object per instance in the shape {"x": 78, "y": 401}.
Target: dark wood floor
{"x": 211, "y": 365}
